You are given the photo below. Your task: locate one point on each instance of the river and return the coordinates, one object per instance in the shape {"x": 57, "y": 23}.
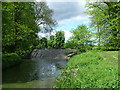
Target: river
{"x": 37, "y": 72}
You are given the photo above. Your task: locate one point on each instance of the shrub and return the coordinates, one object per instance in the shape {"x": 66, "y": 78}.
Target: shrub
{"x": 10, "y": 59}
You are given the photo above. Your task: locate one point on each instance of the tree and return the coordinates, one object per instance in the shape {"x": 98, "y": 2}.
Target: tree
{"x": 51, "y": 42}
{"x": 81, "y": 37}
{"x": 20, "y": 26}
{"x": 44, "y": 16}
{"x": 71, "y": 44}
{"x": 8, "y": 26}
{"x": 60, "y": 39}
{"x": 105, "y": 17}
{"x": 43, "y": 43}
{"x": 19, "y": 36}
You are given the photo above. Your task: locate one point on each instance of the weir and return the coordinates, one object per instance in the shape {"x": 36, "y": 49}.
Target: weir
{"x": 51, "y": 53}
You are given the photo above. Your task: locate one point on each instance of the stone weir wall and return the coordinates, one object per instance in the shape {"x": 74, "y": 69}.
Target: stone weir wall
{"x": 52, "y": 53}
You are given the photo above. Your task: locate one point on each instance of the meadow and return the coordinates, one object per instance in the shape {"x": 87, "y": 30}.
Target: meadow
{"x": 92, "y": 69}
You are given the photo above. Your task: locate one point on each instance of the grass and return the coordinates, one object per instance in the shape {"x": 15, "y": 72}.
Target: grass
{"x": 110, "y": 56}
{"x": 93, "y": 69}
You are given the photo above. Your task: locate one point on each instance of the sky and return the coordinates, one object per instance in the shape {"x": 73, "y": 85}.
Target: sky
{"x": 68, "y": 16}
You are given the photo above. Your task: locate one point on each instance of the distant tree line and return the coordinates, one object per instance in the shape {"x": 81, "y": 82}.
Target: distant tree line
{"x": 56, "y": 41}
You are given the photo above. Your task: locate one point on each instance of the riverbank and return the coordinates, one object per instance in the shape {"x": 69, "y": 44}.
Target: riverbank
{"x": 93, "y": 69}
{"x": 10, "y": 59}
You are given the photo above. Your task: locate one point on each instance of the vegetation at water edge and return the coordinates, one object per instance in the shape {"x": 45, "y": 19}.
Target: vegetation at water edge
{"x": 90, "y": 70}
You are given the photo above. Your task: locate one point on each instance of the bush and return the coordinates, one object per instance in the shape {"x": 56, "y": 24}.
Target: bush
{"x": 10, "y": 59}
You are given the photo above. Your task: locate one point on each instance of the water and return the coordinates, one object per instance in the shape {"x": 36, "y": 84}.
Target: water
{"x": 33, "y": 73}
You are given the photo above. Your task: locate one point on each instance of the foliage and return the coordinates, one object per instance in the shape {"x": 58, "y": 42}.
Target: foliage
{"x": 43, "y": 43}
{"x": 51, "y": 42}
{"x": 20, "y": 25}
{"x": 71, "y": 44}
{"x": 56, "y": 41}
{"x": 44, "y": 16}
{"x": 80, "y": 39}
{"x": 10, "y": 59}
{"x": 89, "y": 70}
{"x": 60, "y": 39}
{"x": 18, "y": 34}
{"x": 105, "y": 18}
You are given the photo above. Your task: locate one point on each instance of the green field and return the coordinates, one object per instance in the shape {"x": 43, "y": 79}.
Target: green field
{"x": 93, "y": 69}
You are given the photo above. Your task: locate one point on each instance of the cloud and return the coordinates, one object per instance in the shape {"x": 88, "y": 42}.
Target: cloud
{"x": 66, "y": 10}
{"x": 72, "y": 23}
{"x": 47, "y": 35}
{"x": 69, "y": 14}
{"x": 80, "y": 18}
{"x": 68, "y": 34}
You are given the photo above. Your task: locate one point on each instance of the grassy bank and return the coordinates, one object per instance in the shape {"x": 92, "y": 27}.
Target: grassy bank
{"x": 10, "y": 59}
{"x": 92, "y": 69}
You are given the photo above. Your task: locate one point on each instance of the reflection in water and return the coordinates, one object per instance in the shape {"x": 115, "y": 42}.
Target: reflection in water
{"x": 33, "y": 73}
